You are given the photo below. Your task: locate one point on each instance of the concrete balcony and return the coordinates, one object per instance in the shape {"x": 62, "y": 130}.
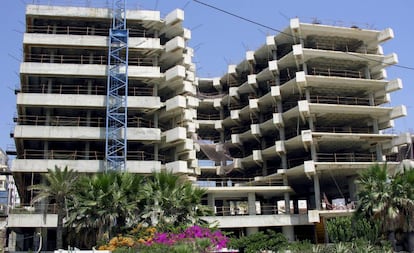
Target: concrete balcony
{"x": 64, "y": 69}
{"x": 69, "y": 40}
{"x": 31, "y": 220}
{"x": 81, "y": 12}
{"x": 81, "y": 133}
{"x": 83, "y": 101}
{"x": 259, "y": 220}
{"x": 86, "y": 166}
{"x": 179, "y": 167}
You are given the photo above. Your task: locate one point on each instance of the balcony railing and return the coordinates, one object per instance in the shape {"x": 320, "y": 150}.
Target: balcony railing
{"x": 347, "y": 157}
{"x": 356, "y": 130}
{"x": 133, "y": 155}
{"x": 77, "y": 121}
{"x": 339, "y": 100}
{"x": 36, "y": 209}
{"x": 76, "y": 30}
{"x": 211, "y": 116}
{"x": 335, "y": 72}
{"x": 61, "y": 154}
{"x": 95, "y": 89}
{"x": 84, "y": 59}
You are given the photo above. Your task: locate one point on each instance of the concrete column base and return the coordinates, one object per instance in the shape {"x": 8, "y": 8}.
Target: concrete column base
{"x": 289, "y": 233}
{"x": 253, "y": 230}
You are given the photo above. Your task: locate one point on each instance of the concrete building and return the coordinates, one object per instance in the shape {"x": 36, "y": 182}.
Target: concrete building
{"x": 293, "y": 123}
{"x": 61, "y": 104}
{"x": 8, "y": 197}
{"x": 277, "y": 141}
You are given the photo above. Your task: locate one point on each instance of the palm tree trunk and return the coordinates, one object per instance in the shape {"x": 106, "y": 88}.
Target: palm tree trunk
{"x": 59, "y": 228}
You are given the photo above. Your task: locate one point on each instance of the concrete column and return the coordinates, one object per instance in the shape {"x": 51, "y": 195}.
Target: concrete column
{"x": 49, "y": 85}
{"x": 317, "y": 190}
{"x": 310, "y": 119}
{"x": 91, "y": 30}
{"x": 371, "y": 98}
{"x": 90, "y": 60}
{"x": 378, "y": 149}
{"x": 352, "y": 188}
{"x": 36, "y": 238}
{"x": 211, "y": 200}
{"x": 45, "y": 149}
{"x": 252, "y": 230}
{"x": 251, "y": 200}
{"x": 314, "y": 154}
{"x": 155, "y": 118}
{"x": 289, "y": 233}
{"x": 87, "y": 150}
{"x": 286, "y": 195}
{"x": 305, "y": 68}
{"x": 12, "y": 241}
{"x": 89, "y": 87}
{"x": 367, "y": 73}
{"x": 155, "y": 61}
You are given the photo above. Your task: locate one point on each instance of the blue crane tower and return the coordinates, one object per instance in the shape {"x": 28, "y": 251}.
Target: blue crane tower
{"x": 117, "y": 91}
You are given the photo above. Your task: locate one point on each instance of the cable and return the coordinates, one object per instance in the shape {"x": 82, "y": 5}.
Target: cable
{"x": 290, "y": 35}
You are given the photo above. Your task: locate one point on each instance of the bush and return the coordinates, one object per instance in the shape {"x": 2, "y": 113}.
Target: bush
{"x": 349, "y": 229}
{"x": 259, "y": 241}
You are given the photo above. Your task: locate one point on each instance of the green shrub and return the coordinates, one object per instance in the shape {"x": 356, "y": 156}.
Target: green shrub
{"x": 340, "y": 229}
{"x": 349, "y": 229}
{"x": 256, "y": 242}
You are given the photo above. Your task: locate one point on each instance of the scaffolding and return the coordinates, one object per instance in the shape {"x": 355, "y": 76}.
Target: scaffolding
{"x": 116, "y": 101}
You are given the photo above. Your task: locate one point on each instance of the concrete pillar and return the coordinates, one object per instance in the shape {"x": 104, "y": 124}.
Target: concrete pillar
{"x": 155, "y": 61}
{"x": 89, "y": 87}
{"x": 49, "y": 85}
{"x": 251, "y": 200}
{"x": 46, "y": 150}
{"x": 36, "y": 238}
{"x": 156, "y": 145}
{"x": 378, "y": 149}
{"x": 211, "y": 200}
{"x": 251, "y": 230}
{"x": 289, "y": 233}
{"x": 317, "y": 190}
{"x": 367, "y": 74}
{"x": 12, "y": 241}
{"x": 352, "y": 188}
{"x": 314, "y": 154}
{"x": 305, "y": 68}
{"x": 87, "y": 150}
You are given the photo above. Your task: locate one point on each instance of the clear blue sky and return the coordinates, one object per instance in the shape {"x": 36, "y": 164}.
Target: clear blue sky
{"x": 220, "y": 39}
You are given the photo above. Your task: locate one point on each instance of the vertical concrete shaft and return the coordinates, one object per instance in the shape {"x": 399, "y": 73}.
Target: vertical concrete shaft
{"x": 251, "y": 200}
{"x": 252, "y": 230}
{"x": 282, "y": 134}
{"x": 289, "y": 233}
{"x": 317, "y": 190}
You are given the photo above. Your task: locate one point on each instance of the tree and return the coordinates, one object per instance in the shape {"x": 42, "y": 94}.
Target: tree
{"x": 58, "y": 187}
{"x": 171, "y": 201}
{"x": 387, "y": 198}
{"x": 105, "y": 204}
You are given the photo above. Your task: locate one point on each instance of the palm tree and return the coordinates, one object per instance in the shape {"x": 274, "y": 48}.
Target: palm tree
{"x": 404, "y": 185}
{"x": 171, "y": 201}
{"x": 387, "y": 198}
{"x": 105, "y": 204}
{"x": 58, "y": 187}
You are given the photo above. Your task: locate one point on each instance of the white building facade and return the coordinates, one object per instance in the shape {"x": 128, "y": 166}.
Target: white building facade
{"x": 278, "y": 141}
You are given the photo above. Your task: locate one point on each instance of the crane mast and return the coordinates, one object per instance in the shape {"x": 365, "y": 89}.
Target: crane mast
{"x": 117, "y": 91}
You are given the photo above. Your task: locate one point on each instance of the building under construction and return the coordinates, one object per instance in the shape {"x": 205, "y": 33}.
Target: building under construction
{"x": 277, "y": 141}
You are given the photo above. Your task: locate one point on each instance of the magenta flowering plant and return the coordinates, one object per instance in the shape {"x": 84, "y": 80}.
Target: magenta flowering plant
{"x": 201, "y": 238}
